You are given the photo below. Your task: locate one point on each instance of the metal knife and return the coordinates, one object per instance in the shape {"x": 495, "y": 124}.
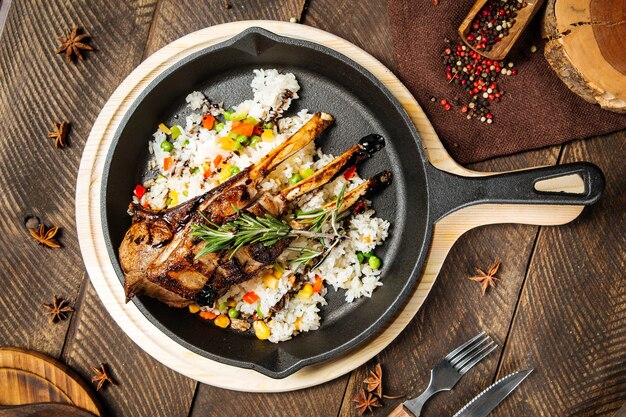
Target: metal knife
{"x": 486, "y": 401}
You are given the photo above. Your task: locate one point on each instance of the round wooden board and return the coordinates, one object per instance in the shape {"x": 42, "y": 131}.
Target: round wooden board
{"x": 28, "y": 377}
{"x": 173, "y": 355}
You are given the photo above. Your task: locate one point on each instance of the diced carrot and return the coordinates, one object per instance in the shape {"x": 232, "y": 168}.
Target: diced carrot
{"x": 250, "y": 297}
{"x": 349, "y": 172}
{"x": 167, "y": 163}
{"x": 208, "y": 121}
{"x": 208, "y": 315}
{"x": 206, "y": 170}
{"x": 318, "y": 285}
{"x": 217, "y": 160}
{"x": 242, "y": 128}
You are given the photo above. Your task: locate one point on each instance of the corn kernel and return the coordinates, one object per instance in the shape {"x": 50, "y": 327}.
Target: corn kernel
{"x": 224, "y": 173}
{"x": 298, "y": 323}
{"x": 222, "y": 321}
{"x": 261, "y": 330}
{"x": 174, "y": 198}
{"x": 267, "y": 135}
{"x": 277, "y": 274}
{"x": 194, "y": 308}
{"x": 231, "y": 303}
{"x": 270, "y": 281}
{"x": 164, "y": 129}
{"x": 226, "y": 143}
{"x": 305, "y": 293}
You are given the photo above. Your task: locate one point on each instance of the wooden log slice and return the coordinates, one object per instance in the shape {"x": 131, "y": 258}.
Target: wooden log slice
{"x": 586, "y": 47}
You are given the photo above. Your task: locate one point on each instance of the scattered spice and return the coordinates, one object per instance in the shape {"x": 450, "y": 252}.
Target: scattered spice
{"x": 73, "y": 43}
{"x": 478, "y": 76}
{"x": 31, "y": 222}
{"x": 45, "y": 237}
{"x": 365, "y": 401}
{"x": 493, "y": 22}
{"x": 375, "y": 381}
{"x": 487, "y": 279}
{"x": 101, "y": 376}
{"x": 60, "y": 134}
{"x": 59, "y": 309}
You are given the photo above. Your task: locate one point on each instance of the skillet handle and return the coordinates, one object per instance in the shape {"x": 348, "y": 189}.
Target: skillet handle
{"x": 450, "y": 192}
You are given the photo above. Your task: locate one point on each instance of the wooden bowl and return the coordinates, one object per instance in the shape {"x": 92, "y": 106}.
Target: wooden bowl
{"x": 500, "y": 50}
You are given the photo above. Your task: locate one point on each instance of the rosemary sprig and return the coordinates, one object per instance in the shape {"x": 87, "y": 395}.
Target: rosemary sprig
{"x": 305, "y": 256}
{"x": 246, "y": 229}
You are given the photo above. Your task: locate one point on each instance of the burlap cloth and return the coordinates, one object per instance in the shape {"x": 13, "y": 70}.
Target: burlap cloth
{"x": 537, "y": 109}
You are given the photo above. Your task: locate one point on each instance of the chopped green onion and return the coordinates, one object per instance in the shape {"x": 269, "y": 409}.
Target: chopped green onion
{"x": 295, "y": 178}
{"x": 219, "y": 127}
{"x": 360, "y": 257}
{"x": 243, "y": 139}
{"x": 307, "y": 173}
{"x": 259, "y": 314}
{"x": 195, "y": 170}
{"x": 175, "y": 131}
{"x": 228, "y": 115}
{"x": 368, "y": 254}
{"x": 252, "y": 120}
{"x": 186, "y": 193}
{"x": 233, "y": 313}
{"x": 238, "y": 116}
{"x": 374, "y": 262}
{"x": 167, "y": 146}
{"x": 185, "y": 143}
{"x": 268, "y": 125}
{"x": 234, "y": 170}
{"x": 233, "y": 135}
{"x": 278, "y": 267}
{"x": 236, "y": 147}
{"x": 222, "y": 306}
{"x": 254, "y": 140}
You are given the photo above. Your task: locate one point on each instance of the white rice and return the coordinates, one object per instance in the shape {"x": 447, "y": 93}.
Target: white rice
{"x": 191, "y": 174}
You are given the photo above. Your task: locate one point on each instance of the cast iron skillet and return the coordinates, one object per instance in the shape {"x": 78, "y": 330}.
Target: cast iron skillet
{"x": 419, "y": 196}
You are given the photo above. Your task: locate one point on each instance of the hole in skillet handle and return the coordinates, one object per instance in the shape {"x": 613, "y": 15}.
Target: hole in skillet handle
{"x": 452, "y": 192}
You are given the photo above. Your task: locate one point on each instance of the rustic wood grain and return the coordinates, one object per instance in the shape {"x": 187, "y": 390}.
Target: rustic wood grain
{"x": 144, "y": 386}
{"x": 38, "y": 87}
{"x": 28, "y": 377}
{"x": 176, "y": 18}
{"x": 571, "y": 321}
{"x": 455, "y": 310}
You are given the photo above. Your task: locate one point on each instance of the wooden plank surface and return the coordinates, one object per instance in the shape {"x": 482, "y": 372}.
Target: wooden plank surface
{"x": 570, "y": 279}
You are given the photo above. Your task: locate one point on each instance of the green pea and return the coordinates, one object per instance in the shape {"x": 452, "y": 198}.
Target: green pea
{"x": 233, "y": 313}
{"x": 254, "y": 140}
{"x": 185, "y": 143}
{"x": 219, "y": 127}
{"x": 175, "y": 131}
{"x": 374, "y": 262}
{"x": 234, "y": 170}
{"x": 295, "y": 178}
{"x": 243, "y": 139}
{"x": 360, "y": 257}
{"x": 167, "y": 146}
{"x": 228, "y": 115}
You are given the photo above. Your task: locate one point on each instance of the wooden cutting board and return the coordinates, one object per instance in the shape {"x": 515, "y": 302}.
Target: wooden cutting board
{"x": 445, "y": 233}
{"x": 28, "y": 377}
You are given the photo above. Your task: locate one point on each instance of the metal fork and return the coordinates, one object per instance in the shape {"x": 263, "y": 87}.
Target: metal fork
{"x": 447, "y": 373}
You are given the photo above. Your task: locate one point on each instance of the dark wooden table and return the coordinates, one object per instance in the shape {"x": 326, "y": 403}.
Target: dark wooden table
{"x": 560, "y": 306}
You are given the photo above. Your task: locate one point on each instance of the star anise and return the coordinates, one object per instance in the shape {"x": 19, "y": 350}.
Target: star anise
{"x": 101, "y": 376}
{"x": 365, "y": 401}
{"x": 60, "y": 134}
{"x": 45, "y": 237}
{"x": 73, "y": 43}
{"x": 58, "y": 310}
{"x": 375, "y": 381}
{"x": 487, "y": 279}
